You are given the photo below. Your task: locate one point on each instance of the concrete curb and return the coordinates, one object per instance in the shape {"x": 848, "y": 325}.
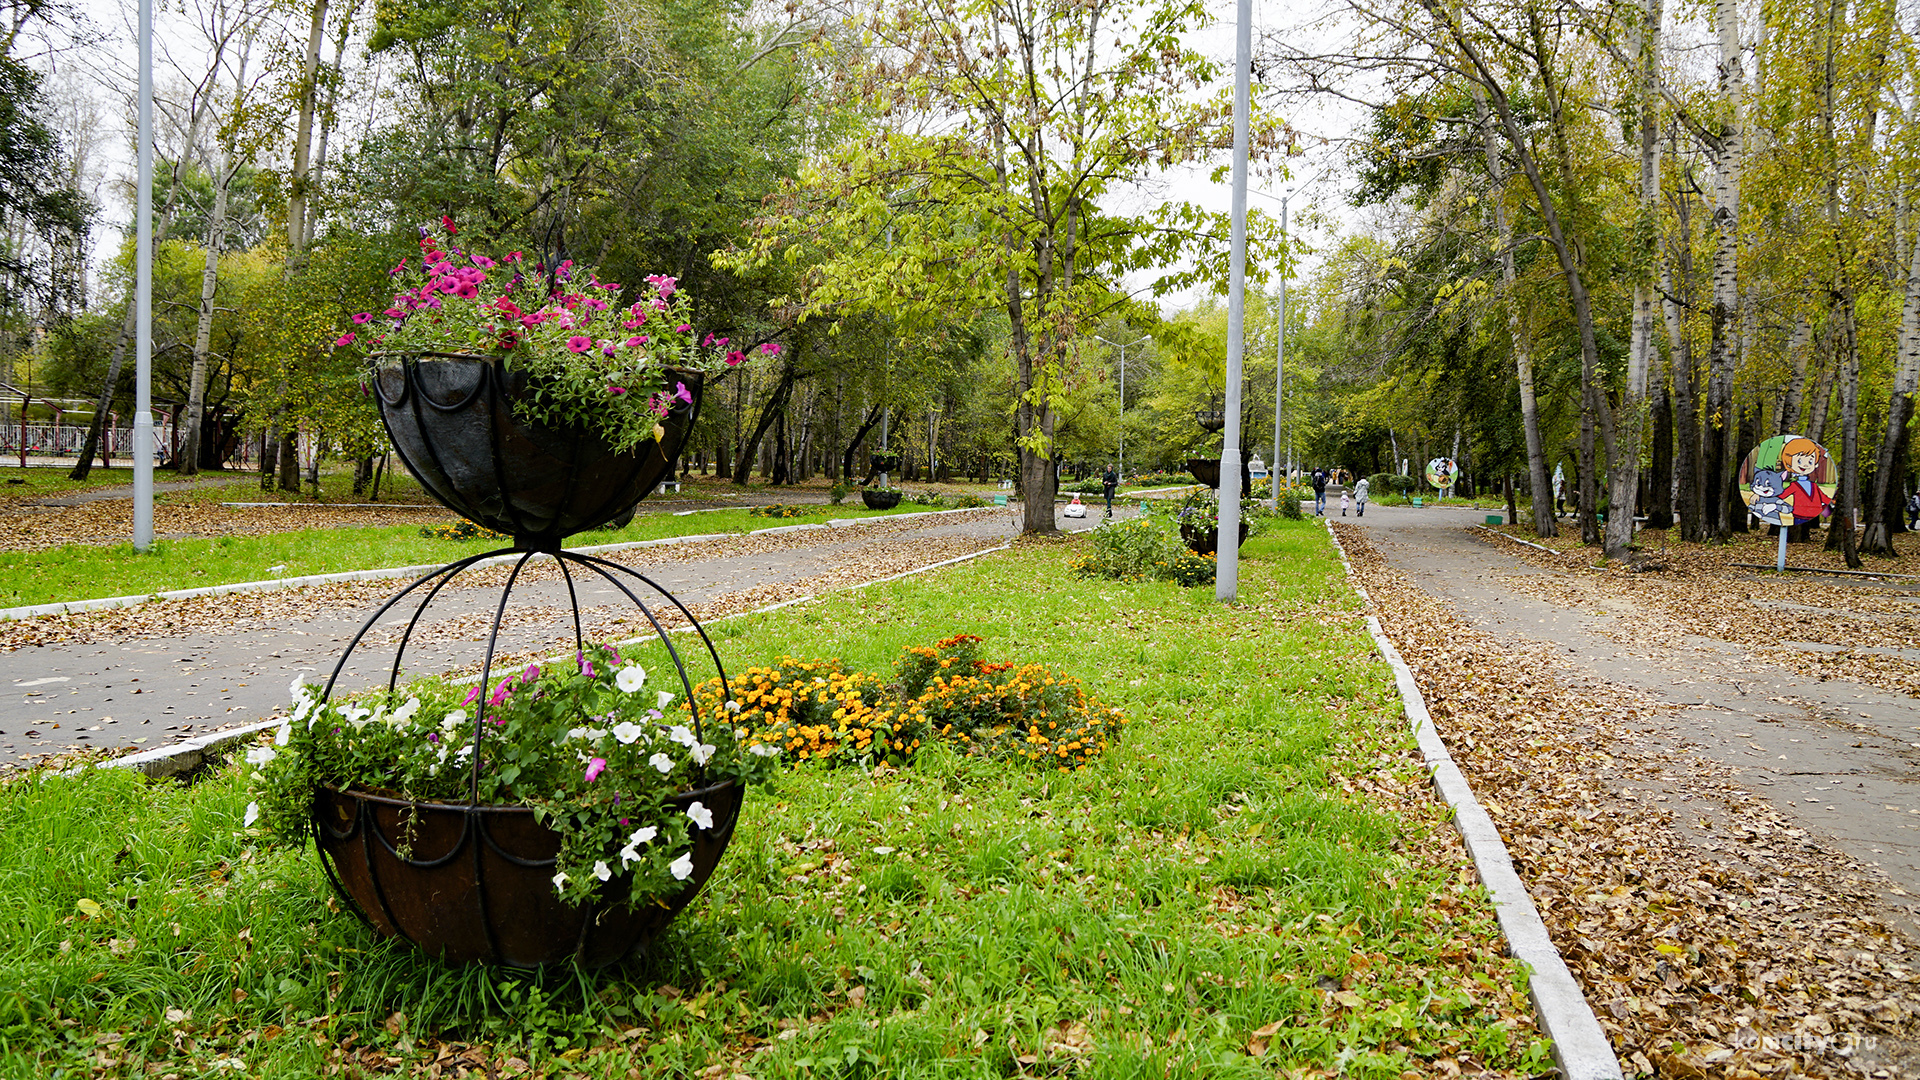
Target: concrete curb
{"x": 186, "y": 755}
{"x": 1580, "y": 1045}
{"x": 35, "y": 611}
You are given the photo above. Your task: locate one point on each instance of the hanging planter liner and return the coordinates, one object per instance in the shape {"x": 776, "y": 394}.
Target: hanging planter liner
{"x": 883, "y": 463}
{"x": 880, "y": 500}
{"x": 473, "y": 881}
{"x": 1207, "y": 472}
{"x": 450, "y": 419}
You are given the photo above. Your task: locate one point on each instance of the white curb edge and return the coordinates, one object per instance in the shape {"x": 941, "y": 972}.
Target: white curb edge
{"x": 35, "y": 611}
{"x": 1580, "y": 1045}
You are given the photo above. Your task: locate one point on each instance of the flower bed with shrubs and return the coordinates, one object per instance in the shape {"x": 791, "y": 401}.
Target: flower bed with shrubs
{"x": 784, "y": 510}
{"x": 461, "y": 530}
{"x": 1142, "y": 549}
{"x": 817, "y": 710}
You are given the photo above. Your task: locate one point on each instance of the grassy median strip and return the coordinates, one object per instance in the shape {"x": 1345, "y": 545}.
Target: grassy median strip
{"x": 1253, "y": 882}
{"x": 88, "y": 571}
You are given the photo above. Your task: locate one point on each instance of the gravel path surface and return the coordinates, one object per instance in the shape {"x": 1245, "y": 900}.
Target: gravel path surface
{"x": 146, "y": 675}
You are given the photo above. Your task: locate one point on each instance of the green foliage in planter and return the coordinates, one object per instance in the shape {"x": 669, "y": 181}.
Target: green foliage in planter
{"x": 588, "y": 745}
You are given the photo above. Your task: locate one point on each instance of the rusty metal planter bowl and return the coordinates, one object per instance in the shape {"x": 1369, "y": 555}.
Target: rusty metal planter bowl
{"x": 467, "y": 883}
{"x": 1205, "y": 541}
{"x": 450, "y": 418}
{"x": 880, "y": 500}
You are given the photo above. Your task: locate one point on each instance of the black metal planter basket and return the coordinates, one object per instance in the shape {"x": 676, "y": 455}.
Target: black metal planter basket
{"x": 472, "y": 881}
{"x": 450, "y": 418}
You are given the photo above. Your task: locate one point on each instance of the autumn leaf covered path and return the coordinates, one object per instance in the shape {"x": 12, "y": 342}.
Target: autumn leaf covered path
{"x": 1724, "y": 845}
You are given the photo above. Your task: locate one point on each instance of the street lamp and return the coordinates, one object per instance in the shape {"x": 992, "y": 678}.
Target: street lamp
{"x": 1280, "y": 335}
{"x": 1122, "y": 471}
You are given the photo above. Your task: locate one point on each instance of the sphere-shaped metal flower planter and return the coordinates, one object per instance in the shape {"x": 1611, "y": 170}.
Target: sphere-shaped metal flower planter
{"x": 880, "y": 500}
{"x": 472, "y": 881}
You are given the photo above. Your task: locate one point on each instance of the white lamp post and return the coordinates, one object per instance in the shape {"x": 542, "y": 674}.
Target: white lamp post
{"x": 1227, "y": 578}
{"x": 1123, "y": 394}
{"x": 143, "y": 297}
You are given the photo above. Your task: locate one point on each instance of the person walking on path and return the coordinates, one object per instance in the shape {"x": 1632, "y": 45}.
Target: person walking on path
{"x": 1913, "y": 512}
{"x": 1109, "y": 481}
{"x": 1319, "y": 493}
{"x": 1345, "y": 503}
{"x": 1360, "y": 497}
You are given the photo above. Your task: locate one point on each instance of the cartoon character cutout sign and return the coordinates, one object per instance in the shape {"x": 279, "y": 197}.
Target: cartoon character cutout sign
{"x": 1440, "y": 473}
{"x": 1788, "y": 480}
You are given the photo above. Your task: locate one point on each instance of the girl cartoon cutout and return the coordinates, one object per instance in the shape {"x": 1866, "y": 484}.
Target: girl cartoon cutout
{"x": 1800, "y": 460}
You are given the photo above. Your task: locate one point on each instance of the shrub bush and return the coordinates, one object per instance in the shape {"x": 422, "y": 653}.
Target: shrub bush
{"x": 462, "y": 530}
{"x": 782, "y": 510}
{"x": 838, "y": 492}
{"x": 1380, "y": 485}
{"x": 1189, "y": 569}
{"x": 1141, "y": 549}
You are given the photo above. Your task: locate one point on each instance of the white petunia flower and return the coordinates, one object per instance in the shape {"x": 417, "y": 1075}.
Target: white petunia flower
{"x": 628, "y": 732}
{"x": 682, "y": 735}
{"x": 702, "y": 752}
{"x": 700, "y": 815}
{"x": 301, "y": 710}
{"x": 628, "y": 855}
{"x": 642, "y": 835}
{"x": 454, "y": 719}
{"x": 284, "y": 733}
{"x": 630, "y": 678}
{"x": 682, "y": 867}
{"x": 662, "y": 700}
{"x": 763, "y": 750}
{"x": 404, "y": 714}
{"x": 661, "y": 762}
{"x": 559, "y": 881}
{"x": 298, "y": 691}
{"x": 601, "y": 870}
{"x": 253, "y": 814}
{"x": 260, "y": 755}
{"x": 733, "y": 706}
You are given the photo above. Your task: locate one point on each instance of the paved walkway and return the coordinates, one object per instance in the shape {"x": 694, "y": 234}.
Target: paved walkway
{"x": 155, "y": 678}
{"x": 1840, "y": 758}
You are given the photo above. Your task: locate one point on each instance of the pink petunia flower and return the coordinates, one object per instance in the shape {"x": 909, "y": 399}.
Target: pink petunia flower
{"x": 344, "y": 339}
{"x": 579, "y": 343}
{"x": 735, "y": 358}
{"x": 361, "y": 318}
{"x": 400, "y": 269}
{"x": 595, "y": 768}
{"x": 500, "y": 692}
{"x": 636, "y": 341}
{"x": 770, "y": 348}
{"x": 483, "y": 262}
{"x": 467, "y": 291}
{"x": 616, "y": 391}
{"x": 683, "y": 393}
{"x": 682, "y": 328}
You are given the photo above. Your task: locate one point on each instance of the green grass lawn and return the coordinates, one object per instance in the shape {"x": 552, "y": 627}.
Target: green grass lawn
{"x": 87, "y": 571}
{"x": 1233, "y": 877}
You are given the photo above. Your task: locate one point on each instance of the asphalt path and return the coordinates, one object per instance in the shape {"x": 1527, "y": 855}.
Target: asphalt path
{"x": 1838, "y": 757}
{"x": 154, "y": 682}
